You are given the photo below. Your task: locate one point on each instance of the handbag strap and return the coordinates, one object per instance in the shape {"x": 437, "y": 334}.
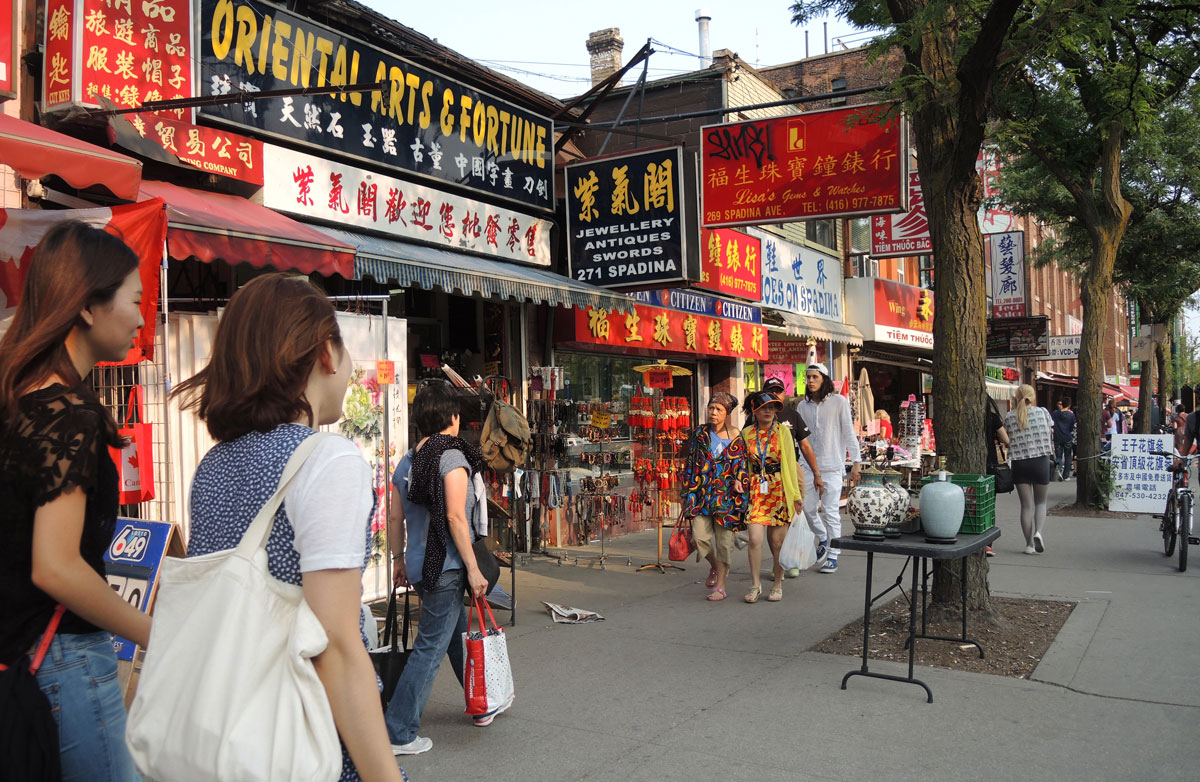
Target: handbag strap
{"x": 389, "y": 622}
{"x": 260, "y": 529}
{"x": 47, "y": 637}
{"x": 135, "y": 405}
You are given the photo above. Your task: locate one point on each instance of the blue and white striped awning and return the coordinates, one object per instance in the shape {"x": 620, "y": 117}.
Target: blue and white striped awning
{"x": 413, "y": 265}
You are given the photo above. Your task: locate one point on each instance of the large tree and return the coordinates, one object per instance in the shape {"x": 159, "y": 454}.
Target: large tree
{"x": 1080, "y": 103}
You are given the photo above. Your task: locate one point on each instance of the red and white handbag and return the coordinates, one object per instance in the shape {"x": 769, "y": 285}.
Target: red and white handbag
{"x": 135, "y": 462}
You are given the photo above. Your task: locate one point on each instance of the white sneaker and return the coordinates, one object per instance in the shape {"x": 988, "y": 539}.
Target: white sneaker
{"x": 830, "y": 566}
{"x": 1038, "y": 545}
{"x": 483, "y": 720}
{"x": 1030, "y": 550}
{"x": 415, "y": 747}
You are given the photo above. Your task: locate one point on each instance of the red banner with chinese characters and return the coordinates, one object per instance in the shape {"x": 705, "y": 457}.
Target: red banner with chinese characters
{"x": 903, "y": 313}
{"x": 838, "y": 162}
{"x": 729, "y": 263}
{"x": 208, "y": 149}
{"x": 903, "y": 235}
{"x": 125, "y": 51}
{"x": 682, "y": 332}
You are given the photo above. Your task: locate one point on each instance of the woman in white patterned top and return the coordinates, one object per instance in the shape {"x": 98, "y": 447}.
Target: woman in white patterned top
{"x": 1032, "y": 445}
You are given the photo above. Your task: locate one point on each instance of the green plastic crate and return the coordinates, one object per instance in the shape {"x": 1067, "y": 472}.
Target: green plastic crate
{"x": 980, "y": 491}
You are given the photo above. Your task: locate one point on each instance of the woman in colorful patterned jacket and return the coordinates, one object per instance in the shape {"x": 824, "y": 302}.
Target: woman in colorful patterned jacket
{"x": 715, "y": 460}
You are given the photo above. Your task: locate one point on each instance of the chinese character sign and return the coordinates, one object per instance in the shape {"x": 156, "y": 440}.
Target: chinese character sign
{"x": 993, "y": 217}
{"x": 423, "y": 123}
{"x": 124, "y": 52}
{"x": 900, "y": 235}
{"x": 313, "y": 187}
{"x": 1008, "y": 274}
{"x": 625, "y": 218}
{"x": 838, "y": 162}
{"x": 1063, "y": 348}
{"x": 1018, "y": 336}
{"x": 1140, "y": 479}
{"x": 799, "y": 279}
{"x": 207, "y": 149}
{"x": 730, "y": 263}
{"x": 682, "y": 332}
{"x": 903, "y": 313}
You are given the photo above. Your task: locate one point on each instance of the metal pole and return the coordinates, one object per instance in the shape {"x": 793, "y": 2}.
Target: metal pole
{"x": 166, "y": 382}
{"x": 387, "y": 461}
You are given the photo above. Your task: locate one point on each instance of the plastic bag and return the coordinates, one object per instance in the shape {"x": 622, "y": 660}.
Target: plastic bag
{"x": 799, "y": 550}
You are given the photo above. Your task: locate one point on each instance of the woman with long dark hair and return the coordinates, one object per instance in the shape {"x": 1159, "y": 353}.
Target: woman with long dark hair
{"x": 278, "y": 370}
{"x": 80, "y": 305}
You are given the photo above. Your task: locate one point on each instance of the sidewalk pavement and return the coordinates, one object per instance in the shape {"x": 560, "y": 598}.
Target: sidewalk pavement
{"x": 671, "y": 687}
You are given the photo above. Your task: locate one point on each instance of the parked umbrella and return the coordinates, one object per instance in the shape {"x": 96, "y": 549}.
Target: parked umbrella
{"x": 866, "y": 399}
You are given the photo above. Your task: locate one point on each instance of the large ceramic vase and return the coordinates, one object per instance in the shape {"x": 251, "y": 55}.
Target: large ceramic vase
{"x": 873, "y": 505}
{"x": 891, "y": 479}
{"x": 942, "y": 506}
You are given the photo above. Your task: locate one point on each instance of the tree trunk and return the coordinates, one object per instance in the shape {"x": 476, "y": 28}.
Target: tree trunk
{"x": 1142, "y": 420}
{"x": 947, "y": 591}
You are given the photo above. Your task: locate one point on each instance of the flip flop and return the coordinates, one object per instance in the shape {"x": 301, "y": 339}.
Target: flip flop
{"x": 776, "y": 595}
{"x": 712, "y": 578}
{"x": 753, "y": 595}
{"x": 717, "y": 594}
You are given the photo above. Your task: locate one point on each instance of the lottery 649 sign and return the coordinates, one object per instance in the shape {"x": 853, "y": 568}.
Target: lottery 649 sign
{"x": 837, "y": 162}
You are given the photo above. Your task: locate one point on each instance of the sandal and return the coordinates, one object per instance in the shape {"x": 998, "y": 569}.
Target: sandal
{"x": 717, "y": 594}
{"x": 711, "y": 581}
{"x": 776, "y": 595}
{"x": 753, "y": 594}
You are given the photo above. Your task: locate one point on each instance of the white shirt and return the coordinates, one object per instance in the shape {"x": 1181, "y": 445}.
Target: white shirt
{"x": 328, "y": 504}
{"x": 832, "y": 432}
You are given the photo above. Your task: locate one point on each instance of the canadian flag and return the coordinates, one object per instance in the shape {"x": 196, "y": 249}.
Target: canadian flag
{"x": 143, "y": 226}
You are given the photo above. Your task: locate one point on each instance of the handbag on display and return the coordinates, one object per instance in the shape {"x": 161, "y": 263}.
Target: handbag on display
{"x": 391, "y": 657}
{"x": 682, "y": 545}
{"x": 135, "y": 462}
{"x": 228, "y": 689}
{"x": 487, "y": 674}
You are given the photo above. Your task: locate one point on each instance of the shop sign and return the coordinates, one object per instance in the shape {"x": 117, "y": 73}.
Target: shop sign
{"x": 1002, "y": 373}
{"x": 730, "y": 263}
{"x": 207, "y": 149}
{"x": 1141, "y": 480}
{"x": 625, "y": 221}
{"x": 832, "y": 163}
{"x": 1008, "y": 274}
{"x": 652, "y": 328}
{"x": 1063, "y": 348}
{"x": 424, "y": 123}
{"x": 907, "y": 234}
{"x": 9, "y": 71}
{"x": 993, "y": 218}
{"x": 131, "y": 563}
{"x": 700, "y": 304}
{"x": 891, "y": 312}
{"x": 311, "y": 187}
{"x": 1018, "y": 336}
{"x": 796, "y": 351}
{"x": 125, "y": 52}
{"x": 659, "y": 378}
{"x": 602, "y": 419}
{"x": 799, "y": 279}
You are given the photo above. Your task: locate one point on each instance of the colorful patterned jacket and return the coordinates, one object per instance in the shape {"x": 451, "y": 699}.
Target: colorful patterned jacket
{"x": 708, "y": 482}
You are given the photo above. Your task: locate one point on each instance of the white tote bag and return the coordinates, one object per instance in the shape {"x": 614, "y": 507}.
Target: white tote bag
{"x": 799, "y": 549}
{"x": 228, "y": 690}
{"x": 487, "y": 674}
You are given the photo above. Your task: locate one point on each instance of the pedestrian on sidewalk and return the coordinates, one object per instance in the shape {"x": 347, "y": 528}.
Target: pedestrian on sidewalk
{"x": 279, "y": 369}
{"x": 716, "y": 457}
{"x": 1064, "y": 438}
{"x": 996, "y": 438}
{"x": 790, "y": 418}
{"x": 1030, "y": 430}
{"x": 833, "y": 440}
{"x": 773, "y": 489}
{"x": 58, "y": 497}
{"x": 433, "y": 498}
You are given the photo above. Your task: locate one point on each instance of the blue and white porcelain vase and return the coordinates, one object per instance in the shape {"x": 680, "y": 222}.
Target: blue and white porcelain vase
{"x": 942, "y": 506}
{"x": 874, "y": 505}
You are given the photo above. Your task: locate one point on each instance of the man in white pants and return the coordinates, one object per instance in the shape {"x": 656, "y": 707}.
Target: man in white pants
{"x": 827, "y": 415}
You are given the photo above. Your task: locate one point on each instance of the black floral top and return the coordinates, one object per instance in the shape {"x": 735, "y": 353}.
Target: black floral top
{"x": 57, "y": 443}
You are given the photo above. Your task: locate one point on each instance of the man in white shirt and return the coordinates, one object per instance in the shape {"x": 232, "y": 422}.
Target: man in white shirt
{"x": 828, "y": 417}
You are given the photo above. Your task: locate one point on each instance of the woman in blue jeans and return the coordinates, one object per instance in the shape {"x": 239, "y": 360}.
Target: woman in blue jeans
{"x": 80, "y": 305}
{"x": 433, "y": 498}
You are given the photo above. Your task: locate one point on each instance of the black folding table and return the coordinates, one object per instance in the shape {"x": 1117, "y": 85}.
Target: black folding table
{"x": 917, "y": 550}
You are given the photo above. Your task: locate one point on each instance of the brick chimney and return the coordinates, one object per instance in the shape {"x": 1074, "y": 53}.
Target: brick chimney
{"x": 605, "y": 47}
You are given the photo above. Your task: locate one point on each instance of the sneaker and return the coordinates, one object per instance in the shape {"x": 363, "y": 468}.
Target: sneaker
{"x": 1030, "y": 550}
{"x": 415, "y": 747}
{"x": 483, "y": 720}
{"x": 793, "y": 573}
{"x": 989, "y": 551}
{"x": 822, "y": 549}
{"x": 830, "y": 566}
{"x": 1038, "y": 545}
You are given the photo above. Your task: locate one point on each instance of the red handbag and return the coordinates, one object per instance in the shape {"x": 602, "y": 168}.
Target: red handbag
{"x": 681, "y": 545}
{"x": 135, "y": 462}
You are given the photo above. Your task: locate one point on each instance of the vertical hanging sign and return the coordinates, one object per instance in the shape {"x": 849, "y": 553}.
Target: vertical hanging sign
{"x": 1008, "y": 274}
{"x": 9, "y": 35}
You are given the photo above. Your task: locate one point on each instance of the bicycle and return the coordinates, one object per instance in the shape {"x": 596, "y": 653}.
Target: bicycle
{"x": 1177, "y": 518}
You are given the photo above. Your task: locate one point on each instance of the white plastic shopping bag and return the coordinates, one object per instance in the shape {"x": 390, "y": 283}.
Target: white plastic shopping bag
{"x": 799, "y": 550}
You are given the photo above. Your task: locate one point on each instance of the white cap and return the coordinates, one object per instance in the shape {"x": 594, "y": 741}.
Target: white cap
{"x": 820, "y": 368}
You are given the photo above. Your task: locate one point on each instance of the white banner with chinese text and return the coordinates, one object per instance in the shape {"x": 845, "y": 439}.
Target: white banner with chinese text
{"x": 309, "y": 186}
{"x": 1140, "y": 481}
{"x": 1008, "y": 274}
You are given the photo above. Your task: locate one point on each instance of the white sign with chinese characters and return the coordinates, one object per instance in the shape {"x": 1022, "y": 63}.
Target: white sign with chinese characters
{"x": 1063, "y": 348}
{"x": 799, "y": 279}
{"x": 1140, "y": 481}
{"x": 1008, "y": 274}
{"x": 312, "y": 187}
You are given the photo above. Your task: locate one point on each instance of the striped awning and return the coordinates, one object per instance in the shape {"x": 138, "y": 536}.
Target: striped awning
{"x": 413, "y": 265}
{"x": 819, "y": 328}
{"x": 1000, "y": 390}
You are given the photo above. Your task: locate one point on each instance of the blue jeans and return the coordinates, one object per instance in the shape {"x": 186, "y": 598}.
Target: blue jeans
{"x": 439, "y": 634}
{"x": 79, "y": 677}
{"x": 1063, "y": 452}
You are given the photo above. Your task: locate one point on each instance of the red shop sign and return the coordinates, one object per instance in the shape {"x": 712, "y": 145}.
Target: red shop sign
{"x": 838, "y": 162}
{"x": 208, "y": 149}
{"x": 903, "y": 314}
{"x": 682, "y": 332}
{"x": 903, "y": 235}
{"x": 659, "y": 378}
{"x": 729, "y": 263}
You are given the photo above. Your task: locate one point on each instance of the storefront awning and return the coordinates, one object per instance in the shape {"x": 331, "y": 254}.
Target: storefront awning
{"x": 215, "y": 226}
{"x": 1130, "y": 392}
{"x": 413, "y": 265}
{"x": 819, "y": 328}
{"x": 999, "y": 390}
{"x": 34, "y": 152}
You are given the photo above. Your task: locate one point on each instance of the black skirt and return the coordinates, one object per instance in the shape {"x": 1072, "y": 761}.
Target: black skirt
{"x": 1035, "y": 470}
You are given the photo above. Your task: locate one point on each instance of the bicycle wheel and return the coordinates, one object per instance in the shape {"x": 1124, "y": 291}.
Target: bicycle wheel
{"x": 1185, "y": 519}
{"x": 1169, "y": 525}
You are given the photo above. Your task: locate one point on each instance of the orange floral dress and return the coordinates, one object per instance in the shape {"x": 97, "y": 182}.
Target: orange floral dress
{"x": 771, "y": 508}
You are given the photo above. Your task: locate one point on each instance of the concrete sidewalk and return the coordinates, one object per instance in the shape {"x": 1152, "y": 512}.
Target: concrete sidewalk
{"x": 671, "y": 687}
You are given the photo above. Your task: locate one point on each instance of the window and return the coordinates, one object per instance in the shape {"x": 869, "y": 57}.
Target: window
{"x": 925, "y": 272}
{"x": 837, "y": 85}
{"x": 900, "y": 275}
{"x": 823, "y": 232}
{"x": 865, "y": 266}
